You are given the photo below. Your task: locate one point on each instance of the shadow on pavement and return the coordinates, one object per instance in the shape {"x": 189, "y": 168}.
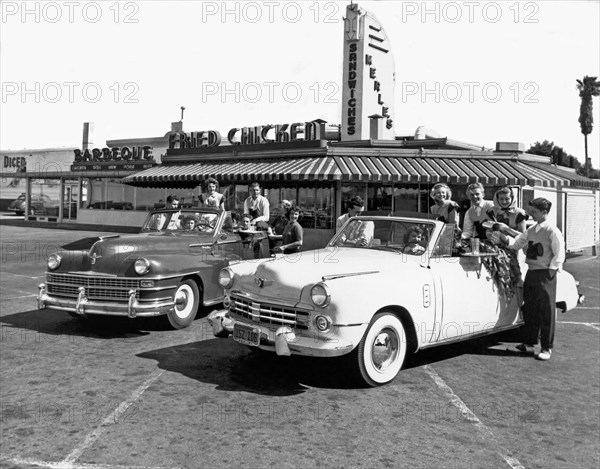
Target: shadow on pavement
{"x": 495, "y": 344}
{"x": 53, "y": 322}
{"x": 234, "y": 367}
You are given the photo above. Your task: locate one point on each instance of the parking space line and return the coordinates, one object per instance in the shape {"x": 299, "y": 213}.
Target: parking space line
{"x": 110, "y": 419}
{"x": 17, "y": 297}
{"x": 593, "y": 325}
{"x": 59, "y": 465}
{"x": 19, "y": 275}
{"x": 470, "y": 416}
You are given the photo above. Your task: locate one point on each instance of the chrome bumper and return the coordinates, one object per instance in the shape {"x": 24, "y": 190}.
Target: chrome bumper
{"x": 82, "y": 305}
{"x": 284, "y": 341}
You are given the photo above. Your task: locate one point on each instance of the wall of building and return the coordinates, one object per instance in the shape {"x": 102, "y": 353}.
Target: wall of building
{"x": 17, "y": 163}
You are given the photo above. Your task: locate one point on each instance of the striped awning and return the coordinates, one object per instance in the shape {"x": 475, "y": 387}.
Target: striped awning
{"x": 453, "y": 170}
{"x": 279, "y": 169}
{"x": 456, "y": 170}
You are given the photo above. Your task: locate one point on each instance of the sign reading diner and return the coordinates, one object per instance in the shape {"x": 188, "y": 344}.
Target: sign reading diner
{"x": 256, "y": 135}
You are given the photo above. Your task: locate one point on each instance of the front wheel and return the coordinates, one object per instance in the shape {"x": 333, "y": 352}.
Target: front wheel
{"x": 382, "y": 350}
{"x": 187, "y": 300}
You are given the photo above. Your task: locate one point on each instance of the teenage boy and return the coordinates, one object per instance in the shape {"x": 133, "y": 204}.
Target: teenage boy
{"x": 545, "y": 256}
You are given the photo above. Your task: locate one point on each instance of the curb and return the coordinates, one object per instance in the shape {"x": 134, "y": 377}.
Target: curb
{"x": 69, "y": 226}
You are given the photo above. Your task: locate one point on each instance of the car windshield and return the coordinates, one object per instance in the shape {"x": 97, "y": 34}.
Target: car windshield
{"x": 183, "y": 221}
{"x": 403, "y": 236}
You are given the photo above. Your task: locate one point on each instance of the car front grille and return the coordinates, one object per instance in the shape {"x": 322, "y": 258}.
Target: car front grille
{"x": 269, "y": 315}
{"x": 96, "y": 288}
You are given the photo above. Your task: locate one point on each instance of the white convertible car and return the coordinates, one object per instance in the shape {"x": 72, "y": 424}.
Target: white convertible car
{"x": 383, "y": 287}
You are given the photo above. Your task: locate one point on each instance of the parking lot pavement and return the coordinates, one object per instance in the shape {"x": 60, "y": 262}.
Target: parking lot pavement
{"x": 119, "y": 393}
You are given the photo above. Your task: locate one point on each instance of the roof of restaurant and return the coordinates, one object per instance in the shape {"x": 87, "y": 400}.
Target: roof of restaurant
{"x": 416, "y": 161}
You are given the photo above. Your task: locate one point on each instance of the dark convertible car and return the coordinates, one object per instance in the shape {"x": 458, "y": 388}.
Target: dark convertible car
{"x": 170, "y": 267}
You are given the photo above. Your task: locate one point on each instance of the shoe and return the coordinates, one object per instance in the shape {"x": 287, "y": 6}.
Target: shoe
{"x": 545, "y": 354}
{"x": 522, "y": 348}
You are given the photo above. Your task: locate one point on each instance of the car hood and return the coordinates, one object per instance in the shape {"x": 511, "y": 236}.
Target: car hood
{"x": 110, "y": 255}
{"x": 285, "y": 277}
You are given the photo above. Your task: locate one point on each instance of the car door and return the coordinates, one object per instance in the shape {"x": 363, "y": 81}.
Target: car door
{"x": 468, "y": 299}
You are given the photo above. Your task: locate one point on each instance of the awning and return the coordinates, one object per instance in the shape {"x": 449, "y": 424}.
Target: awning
{"x": 413, "y": 169}
{"x": 279, "y": 169}
{"x": 456, "y": 170}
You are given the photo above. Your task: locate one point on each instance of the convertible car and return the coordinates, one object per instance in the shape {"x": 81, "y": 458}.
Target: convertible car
{"x": 383, "y": 287}
{"x": 170, "y": 267}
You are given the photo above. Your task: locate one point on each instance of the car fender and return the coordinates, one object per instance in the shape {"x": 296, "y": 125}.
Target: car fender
{"x": 356, "y": 299}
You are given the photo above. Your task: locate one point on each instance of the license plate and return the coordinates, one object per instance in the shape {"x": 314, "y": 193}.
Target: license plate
{"x": 246, "y": 335}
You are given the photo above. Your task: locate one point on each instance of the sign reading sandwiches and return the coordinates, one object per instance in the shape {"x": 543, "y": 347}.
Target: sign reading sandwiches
{"x": 368, "y": 77}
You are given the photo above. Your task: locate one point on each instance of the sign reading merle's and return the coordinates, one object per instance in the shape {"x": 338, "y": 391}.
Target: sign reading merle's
{"x": 123, "y": 158}
{"x": 368, "y": 76}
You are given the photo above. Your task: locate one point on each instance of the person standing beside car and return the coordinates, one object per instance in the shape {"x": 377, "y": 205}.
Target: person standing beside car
{"x": 211, "y": 198}
{"x": 172, "y": 202}
{"x": 257, "y": 205}
{"x": 477, "y": 213}
{"x": 293, "y": 234}
{"x": 356, "y": 206}
{"x": 545, "y": 256}
{"x": 445, "y": 209}
{"x": 511, "y": 220}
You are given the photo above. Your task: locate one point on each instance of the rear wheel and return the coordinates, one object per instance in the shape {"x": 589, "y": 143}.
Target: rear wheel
{"x": 382, "y": 350}
{"x": 187, "y": 300}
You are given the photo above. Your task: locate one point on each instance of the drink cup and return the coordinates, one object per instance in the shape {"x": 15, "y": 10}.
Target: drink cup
{"x": 475, "y": 246}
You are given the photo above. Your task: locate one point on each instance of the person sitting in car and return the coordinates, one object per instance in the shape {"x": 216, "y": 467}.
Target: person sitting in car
{"x": 414, "y": 241}
{"x": 189, "y": 224}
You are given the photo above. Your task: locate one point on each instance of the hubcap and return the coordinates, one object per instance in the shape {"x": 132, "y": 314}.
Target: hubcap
{"x": 181, "y": 300}
{"x": 384, "y": 349}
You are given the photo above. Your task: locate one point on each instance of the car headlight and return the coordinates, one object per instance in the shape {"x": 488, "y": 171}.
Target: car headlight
{"x": 322, "y": 323}
{"x": 54, "y": 261}
{"x": 226, "y": 278}
{"x": 141, "y": 266}
{"x": 319, "y": 294}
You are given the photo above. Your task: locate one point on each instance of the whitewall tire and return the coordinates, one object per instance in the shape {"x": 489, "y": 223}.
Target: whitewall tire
{"x": 187, "y": 300}
{"x": 382, "y": 350}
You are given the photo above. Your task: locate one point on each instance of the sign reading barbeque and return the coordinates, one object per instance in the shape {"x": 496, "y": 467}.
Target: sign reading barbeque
{"x": 125, "y": 158}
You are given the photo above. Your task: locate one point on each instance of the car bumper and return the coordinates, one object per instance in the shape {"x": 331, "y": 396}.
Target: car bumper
{"x": 284, "y": 341}
{"x": 82, "y": 305}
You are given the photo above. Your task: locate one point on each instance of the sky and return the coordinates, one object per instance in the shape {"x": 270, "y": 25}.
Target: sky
{"x": 475, "y": 71}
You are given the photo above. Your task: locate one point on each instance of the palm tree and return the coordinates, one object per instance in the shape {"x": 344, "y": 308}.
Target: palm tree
{"x": 588, "y": 88}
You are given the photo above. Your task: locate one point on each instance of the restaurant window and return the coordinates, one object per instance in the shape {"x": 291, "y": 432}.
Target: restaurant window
{"x": 149, "y": 198}
{"x": 406, "y": 198}
{"x": 110, "y": 194}
{"x": 317, "y": 204}
{"x": 325, "y": 204}
{"x": 187, "y": 197}
{"x": 237, "y": 197}
{"x": 276, "y": 194}
{"x": 352, "y": 190}
{"x": 45, "y": 197}
{"x": 379, "y": 199}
